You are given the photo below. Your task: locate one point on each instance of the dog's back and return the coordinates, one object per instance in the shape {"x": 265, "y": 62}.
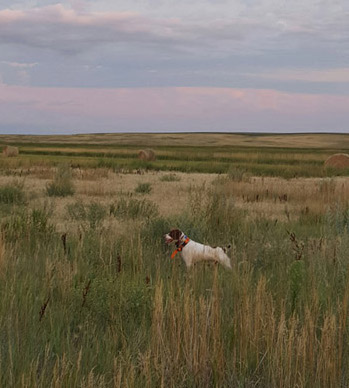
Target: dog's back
{"x": 195, "y": 252}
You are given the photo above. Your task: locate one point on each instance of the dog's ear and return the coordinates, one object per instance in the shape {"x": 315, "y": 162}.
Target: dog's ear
{"x": 175, "y": 234}
{"x": 226, "y": 249}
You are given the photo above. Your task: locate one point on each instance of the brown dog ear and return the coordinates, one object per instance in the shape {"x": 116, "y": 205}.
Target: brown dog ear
{"x": 175, "y": 234}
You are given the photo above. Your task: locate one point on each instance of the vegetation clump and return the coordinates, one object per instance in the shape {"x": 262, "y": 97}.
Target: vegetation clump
{"x": 131, "y": 208}
{"x": 62, "y": 185}
{"x": 93, "y": 214}
{"x": 12, "y": 194}
{"x": 143, "y": 188}
{"x": 238, "y": 174}
{"x": 170, "y": 178}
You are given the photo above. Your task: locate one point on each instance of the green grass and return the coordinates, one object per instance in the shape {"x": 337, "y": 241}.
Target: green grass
{"x": 111, "y": 309}
{"x": 12, "y": 194}
{"x": 91, "y": 214}
{"x": 287, "y": 162}
{"x": 143, "y": 188}
{"x": 89, "y": 305}
{"x": 131, "y": 208}
{"x": 170, "y": 178}
{"x": 62, "y": 185}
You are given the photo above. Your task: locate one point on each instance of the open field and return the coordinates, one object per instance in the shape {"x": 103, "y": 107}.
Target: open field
{"x": 91, "y": 298}
{"x": 287, "y": 156}
{"x": 190, "y": 139}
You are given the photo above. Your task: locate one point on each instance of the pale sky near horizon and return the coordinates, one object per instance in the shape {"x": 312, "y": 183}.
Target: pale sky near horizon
{"x": 172, "y": 65}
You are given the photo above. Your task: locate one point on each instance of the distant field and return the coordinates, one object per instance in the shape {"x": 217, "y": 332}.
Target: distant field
{"x": 287, "y": 156}
{"x": 336, "y": 141}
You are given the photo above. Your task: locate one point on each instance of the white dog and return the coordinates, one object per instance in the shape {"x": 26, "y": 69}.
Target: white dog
{"x": 192, "y": 252}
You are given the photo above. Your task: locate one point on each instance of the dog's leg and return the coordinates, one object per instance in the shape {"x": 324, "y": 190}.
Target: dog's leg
{"x": 222, "y": 258}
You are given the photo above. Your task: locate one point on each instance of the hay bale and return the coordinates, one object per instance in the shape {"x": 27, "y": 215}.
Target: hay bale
{"x": 338, "y": 161}
{"x": 10, "y": 151}
{"x": 148, "y": 155}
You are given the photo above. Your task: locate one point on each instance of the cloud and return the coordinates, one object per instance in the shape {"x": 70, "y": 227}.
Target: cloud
{"x": 340, "y": 75}
{"x": 19, "y": 65}
{"x": 70, "y": 31}
{"x": 152, "y": 64}
{"x": 62, "y": 29}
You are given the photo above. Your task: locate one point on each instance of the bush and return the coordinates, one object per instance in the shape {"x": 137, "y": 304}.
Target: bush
{"x": 238, "y": 174}
{"x": 93, "y": 213}
{"x": 62, "y": 184}
{"x": 170, "y": 178}
{"x": 12, "y": 194}
{"x": 133, "y": 208}
{"x": 29, "y": 224}
{"x": 143, "y": 188}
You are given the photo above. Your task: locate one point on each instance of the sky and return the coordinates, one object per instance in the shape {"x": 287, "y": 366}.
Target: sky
{"x": 83, "y": 66}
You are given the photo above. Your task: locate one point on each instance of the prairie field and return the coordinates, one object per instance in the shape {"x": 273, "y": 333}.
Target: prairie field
{"x": 91, "y": 298}
{"x": 288, "y": 156}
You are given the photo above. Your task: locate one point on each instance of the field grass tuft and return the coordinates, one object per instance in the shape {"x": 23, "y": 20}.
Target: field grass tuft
{"x": 62, "y": 184}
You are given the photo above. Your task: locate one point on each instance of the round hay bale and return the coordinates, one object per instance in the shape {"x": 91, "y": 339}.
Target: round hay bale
{"x": 338, "y": 161}
{"x": 147, "y": 155}
{"x": 10, "y": 151}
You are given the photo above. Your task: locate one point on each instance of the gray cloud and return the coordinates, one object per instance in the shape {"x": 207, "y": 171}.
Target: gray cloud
{"x": 300, "y": 47}
{"x": 62, "y": 29}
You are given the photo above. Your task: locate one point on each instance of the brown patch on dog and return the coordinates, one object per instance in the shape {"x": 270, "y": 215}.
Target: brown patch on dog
{"x": 175, "y": 234}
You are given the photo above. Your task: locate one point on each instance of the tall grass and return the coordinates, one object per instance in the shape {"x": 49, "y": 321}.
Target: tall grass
{"x": 12, "y": 193}
{"x": 143, "y": 188}
{"x": 107, "y": 309}
{"x": 62, "y": 184}
{"x": 89, "y": 215}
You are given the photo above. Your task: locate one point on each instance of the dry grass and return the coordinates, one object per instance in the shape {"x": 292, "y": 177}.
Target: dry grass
{"x": 109, "y": 308}
{"x": 273, "y": 198}
{"x": 192, "y": 139}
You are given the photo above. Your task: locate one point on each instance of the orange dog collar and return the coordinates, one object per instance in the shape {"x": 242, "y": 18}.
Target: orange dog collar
{"x": 180, "y": 247}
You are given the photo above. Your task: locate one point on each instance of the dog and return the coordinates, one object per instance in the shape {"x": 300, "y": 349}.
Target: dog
{"x": 193, "y": 252}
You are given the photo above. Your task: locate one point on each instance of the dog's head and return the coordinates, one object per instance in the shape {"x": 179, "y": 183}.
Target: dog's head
{"x": 173, "y": 236}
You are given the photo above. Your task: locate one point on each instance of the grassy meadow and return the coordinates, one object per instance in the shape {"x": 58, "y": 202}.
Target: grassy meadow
{"x": 91, "y": 298}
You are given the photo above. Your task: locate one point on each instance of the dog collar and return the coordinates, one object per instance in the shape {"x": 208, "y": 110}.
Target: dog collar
{"x": 180, "y": 246}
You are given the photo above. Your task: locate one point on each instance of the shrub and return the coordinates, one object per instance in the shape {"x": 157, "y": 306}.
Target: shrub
{"x": 238, "y": 174}
{"x": 29, "y": 225}
{"x": 134, "y": 208}
{"x": 143, "y": 188}
{"x": 170, "y": 178}
{"x": 12, "y": 193}
{"x": 62, "y": 184}
{"x": 93, "y": 213}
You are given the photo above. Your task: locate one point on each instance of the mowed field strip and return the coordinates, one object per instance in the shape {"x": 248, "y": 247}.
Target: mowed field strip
{"x": 263, "y": 155}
